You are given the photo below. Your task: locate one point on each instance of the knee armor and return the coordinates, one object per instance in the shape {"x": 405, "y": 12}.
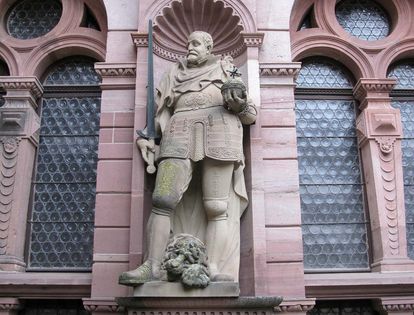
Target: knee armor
{"x": 216, "y": 209}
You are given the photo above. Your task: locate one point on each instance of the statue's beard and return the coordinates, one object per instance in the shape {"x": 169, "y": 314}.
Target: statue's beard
{"x": 196, "y": 62}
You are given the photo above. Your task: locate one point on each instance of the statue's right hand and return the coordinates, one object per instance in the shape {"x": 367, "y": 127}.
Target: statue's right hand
{"x": 147, "y": 148}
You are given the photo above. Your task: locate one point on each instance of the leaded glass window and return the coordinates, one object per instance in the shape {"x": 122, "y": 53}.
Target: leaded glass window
{"x": 62, "y": 217}
{"x": 33, "y": 18}
{"x": 364, "y": 19}
{"x": 334, "y": 226}
{"x": 403, "y": 99}
{"x": 362, "y": 307}
{"x": 308, "y": 20}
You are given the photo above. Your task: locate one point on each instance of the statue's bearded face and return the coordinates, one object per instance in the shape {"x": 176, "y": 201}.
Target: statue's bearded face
{"x": 197, "y": 50}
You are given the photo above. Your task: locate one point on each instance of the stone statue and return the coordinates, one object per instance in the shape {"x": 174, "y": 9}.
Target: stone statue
{"x": 199, "y": 187}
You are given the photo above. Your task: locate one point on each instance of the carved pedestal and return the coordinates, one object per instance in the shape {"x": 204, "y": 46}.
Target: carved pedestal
{"x": 19, "y": 124}
{"x": 199, "y": 306}
{"x": 380, "y": 131}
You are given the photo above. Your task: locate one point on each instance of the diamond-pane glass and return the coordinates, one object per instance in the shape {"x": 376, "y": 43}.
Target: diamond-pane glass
{"x": 62, "y": 218}
{"x": 364, "y": 19}
{"x": 333, "y": 221}
{"x": 343, "y": 308}
{"x": 33, "y": 18}
{"x": 323, "y": 74}
{"x": 404, "y": 73}
{"x": 73, "y": 71}
{"x": 407, "y": 117}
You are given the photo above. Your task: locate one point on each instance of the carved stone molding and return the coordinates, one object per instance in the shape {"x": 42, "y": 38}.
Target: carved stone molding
{"x": 10, "y": 304}
{"x": 374, "y": 90}
{"x": 30, "y": 84}
{"x": 102, "y": 306}
{"x": 200, "y": 305}
{"x": 387, "y": 164}
{"x": 116, "y": 70}
{"x": 280, "y": 69}
{"x": 9, "y": 151}
{"x": 165, "y": 52}
{"x": 395, "y": 305}
{"x": 295, "y": 306}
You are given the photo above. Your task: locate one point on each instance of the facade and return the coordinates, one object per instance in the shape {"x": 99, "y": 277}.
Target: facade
{"x": 329, "y": 168}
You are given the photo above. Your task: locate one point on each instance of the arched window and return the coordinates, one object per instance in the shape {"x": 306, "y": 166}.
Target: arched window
{"x": 334, "y": 226}
{"x": 403, "y": 99}
{"x": 62, "y": 217}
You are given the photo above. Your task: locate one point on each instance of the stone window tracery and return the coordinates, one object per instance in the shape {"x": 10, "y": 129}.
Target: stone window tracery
{"x": 62, "y": 217}
{"x": 364, "y": 19}
{"x": 403, "y": 99}
{"x": 334, "y": 226}
{"x": 29, "y": 19}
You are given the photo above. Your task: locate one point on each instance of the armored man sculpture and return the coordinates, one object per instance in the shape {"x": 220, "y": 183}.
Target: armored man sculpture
{"x": 199, "y": 188}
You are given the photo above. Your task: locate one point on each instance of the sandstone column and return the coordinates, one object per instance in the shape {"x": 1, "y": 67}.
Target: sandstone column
{"x": 379, "y": 131}
{"x": 19, "y": 137}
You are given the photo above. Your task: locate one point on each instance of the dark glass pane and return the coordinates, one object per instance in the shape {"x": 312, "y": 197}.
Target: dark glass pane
{"x": 4, "y": 70}
{"x": 53, "y": 307}
{"x": 323, "y": 74}
{"x": 333, "y": 221}
{"x": 73, "y": 71}
{"x": 62, "y": 218}
{"x": 33, "y": 18}
{"x": 404, "y": 73}
{"x": 64, "y": 191}
{"x": 343, "y": 308}
{"x": 89, "y": 19}
{"x": 70, "y": 116}
{"x": 2, "y": 100}
{"x": 407, "y": 117}
{"x": 307, "y": 20}
{"x": 364, "y": 19}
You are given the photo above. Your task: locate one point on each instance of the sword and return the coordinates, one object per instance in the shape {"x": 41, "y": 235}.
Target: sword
{"x": 149, "y": 131}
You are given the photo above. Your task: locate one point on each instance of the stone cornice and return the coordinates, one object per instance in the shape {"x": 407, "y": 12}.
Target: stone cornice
{"x": 30, "y": 84}
{"x": 102, "y": 305}
{"x": 247, "y": 40}
{"x": 280, "y": 69}
{"x": 10, "y": 304}
{"x": 397, "y": 304}
{"x": 124, "y": 70}
{"x": 252, "y": 39}
{"x": 140, "y": 39}
{"x": 368, "y": 87}
{"x": 294, "y": 306}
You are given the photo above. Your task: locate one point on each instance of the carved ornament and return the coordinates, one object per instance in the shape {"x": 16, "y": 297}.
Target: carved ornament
{"x": 406, "y": 307}
{"x": 280, "y": 69}
{"x": 369, "y": 87}
{"x": 102, "y": 306}
{"x": 116, "y": 70}
{"x": 389, "y": 186}
{"x": 9, "y": 151}
{"x": 31, "y": 84}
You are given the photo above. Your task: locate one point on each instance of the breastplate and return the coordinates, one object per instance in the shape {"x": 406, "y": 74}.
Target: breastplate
{"x": 208, "y": 97}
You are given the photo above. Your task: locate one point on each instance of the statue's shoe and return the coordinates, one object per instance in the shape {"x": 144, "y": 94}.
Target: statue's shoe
{"x": 137, "y": 276}
{"x": 221, "y": 277}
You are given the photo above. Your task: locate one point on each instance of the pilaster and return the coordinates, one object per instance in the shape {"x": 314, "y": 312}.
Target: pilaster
{"x": 103, "y": 306}
{"x": 379, "y": 130}
{"x": 19, "y": 136}
{"x": 277, "y": 178}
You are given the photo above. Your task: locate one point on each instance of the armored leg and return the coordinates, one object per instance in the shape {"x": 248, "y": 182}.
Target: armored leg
{"x": 173, "y": 178}
{"x": 217, "y": 178}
